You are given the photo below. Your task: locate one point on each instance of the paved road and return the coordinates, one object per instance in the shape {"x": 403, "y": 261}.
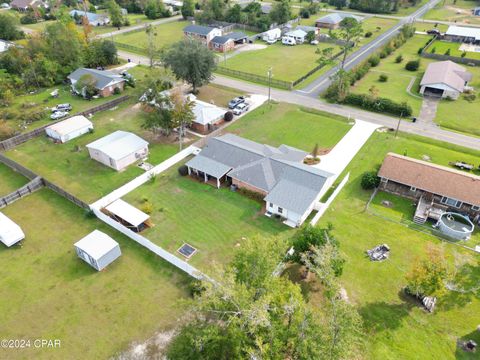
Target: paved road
{"x": 319, "y": 85}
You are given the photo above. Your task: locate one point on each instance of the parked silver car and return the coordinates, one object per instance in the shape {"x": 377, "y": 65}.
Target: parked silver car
{"x": 241, "y": 108}
{"x": 58, "y": 115}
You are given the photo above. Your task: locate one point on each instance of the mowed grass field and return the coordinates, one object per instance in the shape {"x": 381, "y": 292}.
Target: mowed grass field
{"x": 458, "y": 11}
{"x": 70, "y": 166}
{"x": 396, "y": 327}
{"x": 10, "y": 180}
{"x": 47, "y": 292}
{"x": 441, "y": 47}
{"x": 163, "y": 35}
{"x": 280, "y": 123}
{"x": 288, "y": 63}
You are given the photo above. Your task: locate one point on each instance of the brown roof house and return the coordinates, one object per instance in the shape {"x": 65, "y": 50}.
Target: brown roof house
{"x": 24, "y": 5}
{"x": 444, "y": 79}
{"x": 438, "y": 189}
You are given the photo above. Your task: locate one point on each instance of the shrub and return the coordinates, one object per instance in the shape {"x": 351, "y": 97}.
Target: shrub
{"x": 228, "y": 116}
{"x": 28, "y": 19}
{"x": 370, "y": 180}
{"x": 470, "y": 97}
{"x": 374, "y": 60}
{"x": 5, "y": 130}
{"x": 388, "y": 49}
{"x": 378, "y": 104}
{"x": 447, "y": 52}
{"x": 433, "y": 51}
{"x": 368, "y": 34}
{"x": 304, "y": 13}
{"x": 251, "y": 194}
{"x": 399, "y": 59}
{"x": 183, "y": 170}
{"x": 412, "y": 65}
{"x": 117, "y": 91}
{"x": 463, "y": 54}
{"x": 383, "y": 54}
{"x": 147, "y": 207}
{"x": 383, "y": 78}
{"x": 420, "y": 50}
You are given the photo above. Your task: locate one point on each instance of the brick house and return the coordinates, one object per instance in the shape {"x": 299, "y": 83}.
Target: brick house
{"x": 436, "y": 189}
{"x": 204, "y": 34}
{"x": 289, "y": 188}
{"x": 106, "y": 81}
{"x": 207, "y": 117}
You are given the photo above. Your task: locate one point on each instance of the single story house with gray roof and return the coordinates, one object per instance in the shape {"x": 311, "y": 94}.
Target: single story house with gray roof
{"x": 290, "y": 188}
{"x": 92, "y": 18}
{"x": 444, "y": 79}
{"x": 106, "y": 81}
{"x": 204, "y": 34}
{"x": 333, "y": 20}
{"x": 228, "y": 41}
{"x": 118, "y": 150}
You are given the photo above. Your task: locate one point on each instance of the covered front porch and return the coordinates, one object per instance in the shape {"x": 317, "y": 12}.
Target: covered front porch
{"x": 210, "y": 171}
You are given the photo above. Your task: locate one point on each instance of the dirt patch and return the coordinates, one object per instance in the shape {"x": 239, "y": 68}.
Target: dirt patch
{"x": 153, "y": 348}
{"x": 251, "y": 47}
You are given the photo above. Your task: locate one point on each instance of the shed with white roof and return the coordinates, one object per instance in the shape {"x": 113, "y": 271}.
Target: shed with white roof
{"x": 98, "y": 249}
{"x": 10, "y": 233}
{"x": 69, "y": 129}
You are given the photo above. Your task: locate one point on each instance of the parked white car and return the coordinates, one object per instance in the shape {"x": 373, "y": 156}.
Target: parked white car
{"x": 314, "y": 42}
{"x": 62, "y": 107}
{"x": 241, "y": 108}
{"x": 287, "y": 40}
{"x": 58, "y": 115}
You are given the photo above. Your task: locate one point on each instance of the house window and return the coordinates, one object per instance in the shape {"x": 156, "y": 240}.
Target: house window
{"x": 280, "y": 210}
{"x": 475, "y": 208}
{"x": 383, "y": 180}
{"x": 270, "y": 205}
{"x": 451, "y": 202}
{"x": 413, "y": 188}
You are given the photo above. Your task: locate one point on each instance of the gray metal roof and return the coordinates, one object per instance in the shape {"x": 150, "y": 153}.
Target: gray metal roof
{"x": 198, "y": 29}
{"x": 277, "y": 171}
{"x": 335, "y": 18}
{"x": 209, "y": 166}
{"x": 118, "y": 144}
{"x": 221, "y": 39}
{"x": 237, "y": 35}
{"x": 103, "y": 77}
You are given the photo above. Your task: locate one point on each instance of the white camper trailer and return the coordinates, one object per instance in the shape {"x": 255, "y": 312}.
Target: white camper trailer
{"x": 10, "y": 233}
{"x": 271, "y": 36}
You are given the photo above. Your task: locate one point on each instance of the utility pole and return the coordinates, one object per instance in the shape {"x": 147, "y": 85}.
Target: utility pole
{"x": 398, "y": 124}
{"x": 269, "y": 83}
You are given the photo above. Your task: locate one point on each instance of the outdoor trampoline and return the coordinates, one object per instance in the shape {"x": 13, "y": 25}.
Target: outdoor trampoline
{"x": 455, "y": 225}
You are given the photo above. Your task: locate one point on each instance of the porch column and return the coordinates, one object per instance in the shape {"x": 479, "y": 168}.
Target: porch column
{"x": 218, "y": 183}
{"x": 189, "y": 170}
{"x": 205, "y": 176}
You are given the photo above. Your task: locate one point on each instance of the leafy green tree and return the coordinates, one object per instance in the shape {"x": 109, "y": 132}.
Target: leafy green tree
{"x": 115, "y": 13}
{"x": 155, "y": 9}
{"x": 428, "y": 276}
{"x": 9, "y": 29}
{"x": 349, "y": 32}
{"x": 190, "y": 61}
{"x": 86, "y": 86}
{"x": 249, "y": 316}
{"x": 234, "y": 14}
{"x": 310, "y": 36}
{"x": 281, "y": 12}
{"x": 182, "y": 113}
{"x": 101, "y": 53}
{"x": 188, "y": 9}
{"x": 370, "y": 180}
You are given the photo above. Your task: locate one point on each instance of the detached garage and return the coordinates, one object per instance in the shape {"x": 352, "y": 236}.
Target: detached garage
{"x": 10, "y": 233}
{"x": 444, "y": 79}
{"x": 98, "y": 249}
{"x": 69, "y": 129}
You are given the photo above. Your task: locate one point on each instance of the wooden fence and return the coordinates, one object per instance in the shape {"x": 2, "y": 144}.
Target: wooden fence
{"x": 66, "y": 194}
{"x": 20, "y": 139}
{"x": 255, "y": 78}
{"x": 25, "y": 190}
{"x": 314, "y": 70}
{"x": 17, "y": 167}
{"x": 443, "y": 57}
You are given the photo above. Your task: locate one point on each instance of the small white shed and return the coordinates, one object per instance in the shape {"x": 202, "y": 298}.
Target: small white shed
{"x": 70, "y": 128}
{"x": 10, "y": 233}
{"x": 128, "y": 215}
{"x": 118, "y": 150}
{"x": 98, "y": 249}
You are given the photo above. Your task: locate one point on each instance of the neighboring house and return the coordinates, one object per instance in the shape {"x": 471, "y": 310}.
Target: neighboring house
{"x": 463, "y": 34}
{"x": 437, "y": 189}
{"x": 444, "y": 79}
{"x": 204, "y": 34}
{"x": 98, "y": 250}
{"x": 207, "y": 117}
{"x": 290, "y": 188}
{"x": 227, "y": 42}
{"x": 10, "y": 233}
{"x": 93, "y": 19}
{"x": 106, "y": 84}
{"x": 24, "y": 5}
{"x": 298, "y": 35}
{"x": 118, "y": 150}
{"x": 333, "y": 20}
{"x": 476, "y": 11}
{"x": 307, "y": 29}
{"x": 5, "y": 45}
{"x": 69, "y": 129}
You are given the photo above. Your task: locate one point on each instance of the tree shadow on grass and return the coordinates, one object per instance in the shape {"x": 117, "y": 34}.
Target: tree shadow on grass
{"x": 461, "y": 353}
{"x": 379, "y": 316}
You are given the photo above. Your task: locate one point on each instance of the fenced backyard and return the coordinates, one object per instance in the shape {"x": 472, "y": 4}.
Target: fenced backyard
{"x": 25, "y": 190}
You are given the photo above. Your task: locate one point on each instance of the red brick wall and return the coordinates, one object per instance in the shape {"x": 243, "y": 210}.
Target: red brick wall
{"x": 243, "y": 185}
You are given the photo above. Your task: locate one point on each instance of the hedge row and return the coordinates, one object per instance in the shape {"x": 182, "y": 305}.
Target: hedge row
{"x": 382, "y": 105}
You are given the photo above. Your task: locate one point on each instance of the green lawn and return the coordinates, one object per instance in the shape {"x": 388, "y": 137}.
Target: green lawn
{"x": 396, "y": 327}
{"x": 47, "y": 292}
{"x": 288, "y": 62}
{"x": 213, "y": 221}
{"x": 425, "y": 26}
{"x": 441, "y": 47}
{"x": 459, "y": 11}
{"x": 10, "y": 180}
{"x": 69, "y": 165}
{"x": 164, "y": 35}
{"x": 291, "y": 125}
{"x": 217, "y": 94}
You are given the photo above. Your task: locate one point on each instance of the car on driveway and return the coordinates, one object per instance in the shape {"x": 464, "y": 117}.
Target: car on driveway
{"x": 241, "y": 108}
{"x": 433, "y": 32}
{"x": 62, "y": 107}
{"x": 58, "y": 115}
{"x": 236, "y": 101}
